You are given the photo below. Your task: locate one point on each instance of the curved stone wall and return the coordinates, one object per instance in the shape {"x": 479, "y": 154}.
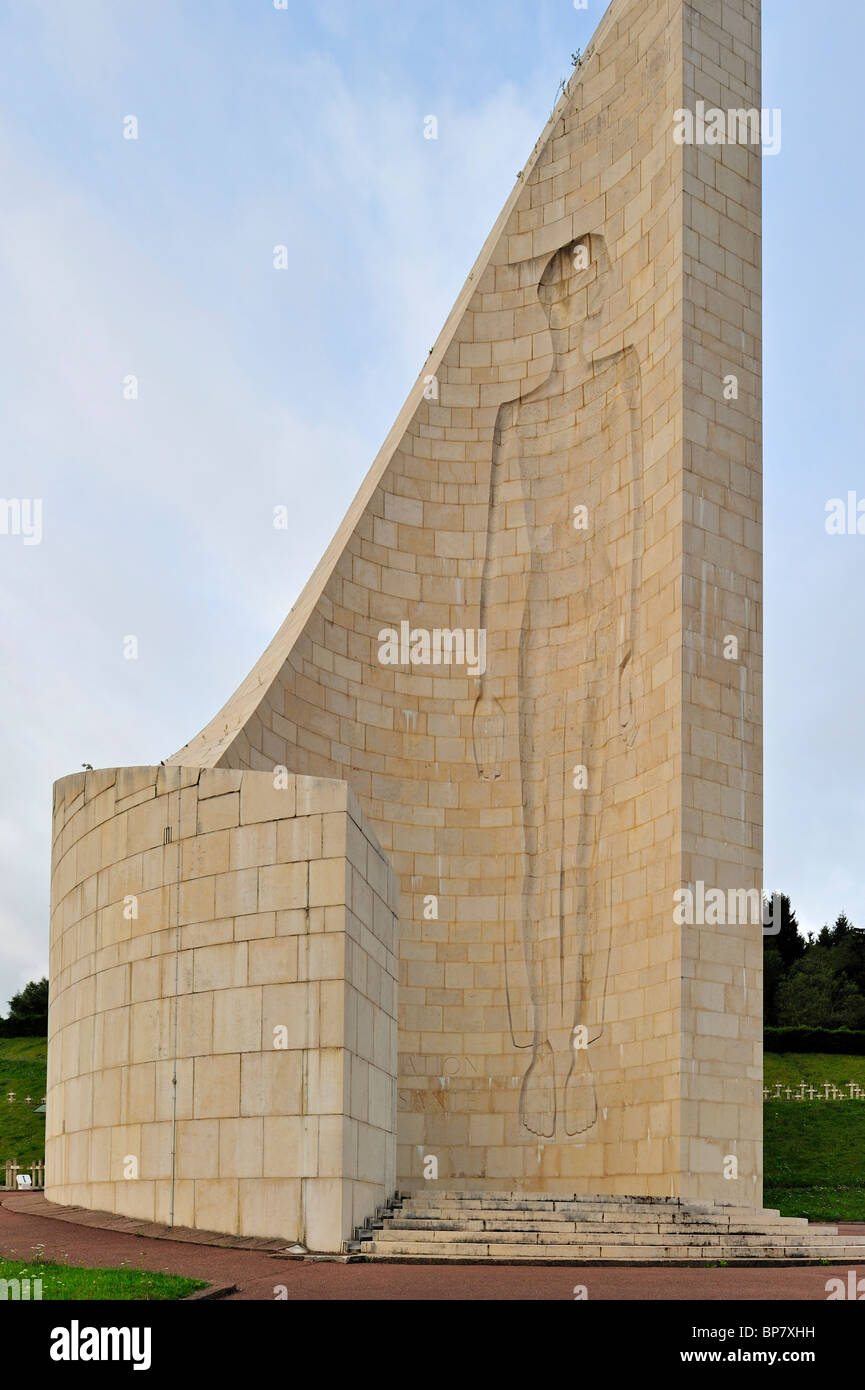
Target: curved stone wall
{"x": 222, "y": 1034}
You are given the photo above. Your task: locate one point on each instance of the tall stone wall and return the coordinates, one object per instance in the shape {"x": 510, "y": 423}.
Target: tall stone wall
{"x": 722, "y": 819}
{"x": 222, "y": 1026}
{"x": 566, "y": 479}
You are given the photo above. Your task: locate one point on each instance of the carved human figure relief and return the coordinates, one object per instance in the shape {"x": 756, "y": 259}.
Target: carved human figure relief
{"x": 564, "y": 550}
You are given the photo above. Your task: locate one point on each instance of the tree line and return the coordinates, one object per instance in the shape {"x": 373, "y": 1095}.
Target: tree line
{"x": 814, "y": 981}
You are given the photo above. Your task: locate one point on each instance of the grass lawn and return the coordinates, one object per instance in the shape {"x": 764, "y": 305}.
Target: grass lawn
{"x": 790, "y": 1068}
{"x": 814, "y": 1151}
{"x": 60, "y": 1281}
{"x": 22, "y": 1070}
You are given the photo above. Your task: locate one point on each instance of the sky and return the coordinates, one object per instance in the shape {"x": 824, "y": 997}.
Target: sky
{"x": 152, "y": 258}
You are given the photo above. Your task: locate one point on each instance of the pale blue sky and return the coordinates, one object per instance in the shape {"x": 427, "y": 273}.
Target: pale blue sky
{"x": 154, "y": 257}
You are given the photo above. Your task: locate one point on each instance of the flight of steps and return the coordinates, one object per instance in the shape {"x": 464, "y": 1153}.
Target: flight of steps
{"x": 514, "y": 1228}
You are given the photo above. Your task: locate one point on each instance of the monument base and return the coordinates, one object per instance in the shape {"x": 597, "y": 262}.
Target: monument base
{"x": 439, "y": 1226}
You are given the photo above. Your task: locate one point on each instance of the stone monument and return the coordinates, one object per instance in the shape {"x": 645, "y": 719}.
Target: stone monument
{"x": 404, "y": 916}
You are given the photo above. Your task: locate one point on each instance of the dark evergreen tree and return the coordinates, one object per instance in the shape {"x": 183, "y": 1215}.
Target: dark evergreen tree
{"x": 781, "y": 951}
{"x": 31, "y": 1002}
{"x": 789, "y": 942}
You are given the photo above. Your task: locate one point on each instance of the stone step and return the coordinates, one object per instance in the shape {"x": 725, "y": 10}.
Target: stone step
{"x": 711, "y": 1254}
{"x": 515, "y": 1194}
{"x": 646, "y": 1240}
{"x": 609, "y": 1220}
{"x": 495, "y": 1222}
{"x": 625, "y": 1213}
{"x": 421, "y": 1253}
{"x": 526, "y": 1227}
{"x": 542, "y": 1199}
{"x": 607, "y": 1230}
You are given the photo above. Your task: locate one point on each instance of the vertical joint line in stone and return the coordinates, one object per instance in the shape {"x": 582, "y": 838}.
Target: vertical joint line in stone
{"x": 176, "y": 999}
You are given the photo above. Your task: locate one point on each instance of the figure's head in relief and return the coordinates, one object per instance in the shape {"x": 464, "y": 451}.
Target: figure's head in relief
{"x": 574, "y": 290}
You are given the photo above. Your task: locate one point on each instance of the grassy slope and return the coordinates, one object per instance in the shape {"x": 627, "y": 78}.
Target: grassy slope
{"x": 813, "y": 1068}
{"x": 814, "y": 1151}
{"x": 22, "y": 1070}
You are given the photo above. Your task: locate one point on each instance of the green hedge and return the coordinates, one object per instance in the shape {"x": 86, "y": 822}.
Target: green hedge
{"x": 837, "y": 1040}
{"x": 24, "y": 1027}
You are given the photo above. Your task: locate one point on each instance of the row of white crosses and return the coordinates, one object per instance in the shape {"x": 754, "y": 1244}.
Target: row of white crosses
{"x": 28, "y": 1100}
{"x": 829, "y": 1092}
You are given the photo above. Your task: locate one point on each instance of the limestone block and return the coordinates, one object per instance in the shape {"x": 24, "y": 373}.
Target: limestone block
{"x": 217, "y": 1205}
{"x": 254, "y": 845}
{"x": 271, "y": 1083}
{"x": 218, "y": 813}
{"x": 260, "y": 800}
{"x": 323, "y": 1201}
{"x": 282, "y": 887}
{"x": 207, "y": 854}
{"x": 217, "y": 782}
{"x": 270, "y": 1207}
{"x": 220, "y": 967}
{"x": 237, "y": 1019}
{"x": 198, "y": 1148}
{"x": 236, "y": 893}
{"x": 328, "y": 883}
{"x": 273, "y": 960}
{"x": 325, "y": 1082}
{"x": 216, "y": 1086}
{"x": 240, "y": 1148}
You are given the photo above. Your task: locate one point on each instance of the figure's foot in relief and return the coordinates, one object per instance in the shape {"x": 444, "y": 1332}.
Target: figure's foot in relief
{"x": 581, "y": 1102}
{"x": 538, "y": 1094}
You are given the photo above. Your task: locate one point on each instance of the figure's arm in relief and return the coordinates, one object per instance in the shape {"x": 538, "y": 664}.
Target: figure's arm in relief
{"x": 627, "y": 637}
{"x": 488, "y": 722}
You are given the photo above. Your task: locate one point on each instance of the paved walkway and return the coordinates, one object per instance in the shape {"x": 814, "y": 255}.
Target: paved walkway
{"x": 260, "y": 1275}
